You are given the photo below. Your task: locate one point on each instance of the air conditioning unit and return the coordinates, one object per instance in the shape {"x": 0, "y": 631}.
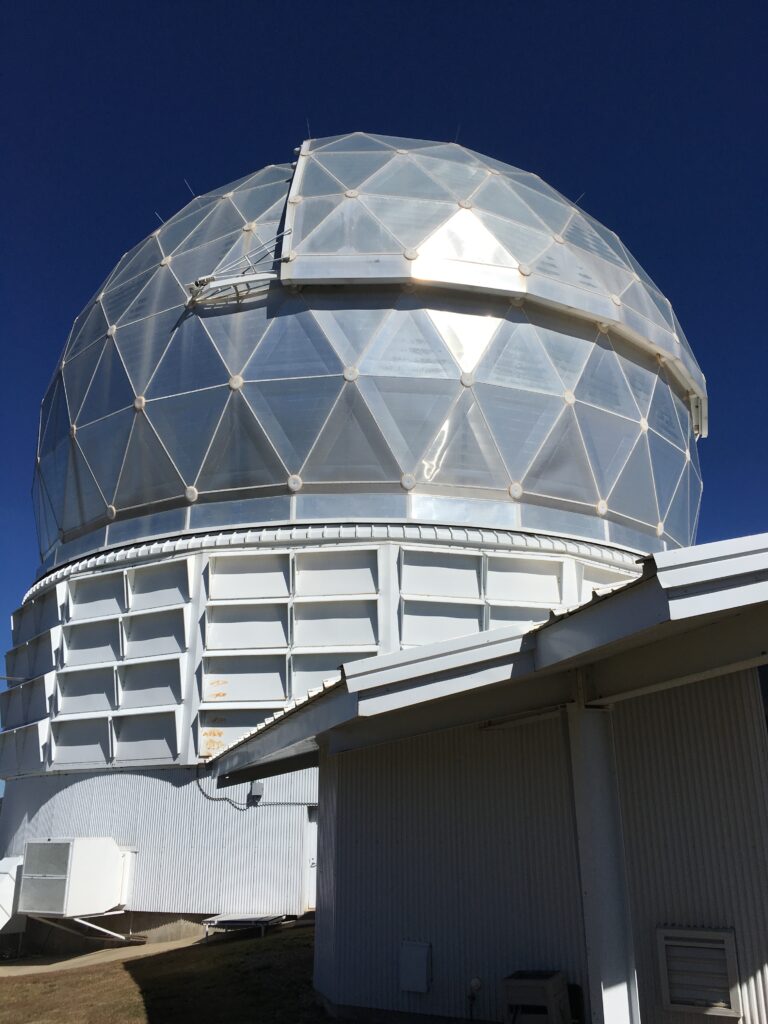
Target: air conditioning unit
{"x": 80, "y": 877}
{"x": 536, "y": 997}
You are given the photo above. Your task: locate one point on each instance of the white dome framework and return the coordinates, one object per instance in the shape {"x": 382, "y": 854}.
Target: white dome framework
{"x": 456, "y": 343}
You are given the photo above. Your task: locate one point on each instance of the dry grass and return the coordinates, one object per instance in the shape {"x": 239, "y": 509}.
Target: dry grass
{"x": 261, "y": 981}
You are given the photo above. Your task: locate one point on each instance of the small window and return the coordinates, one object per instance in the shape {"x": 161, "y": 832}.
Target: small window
{"x": 699, "y": 971}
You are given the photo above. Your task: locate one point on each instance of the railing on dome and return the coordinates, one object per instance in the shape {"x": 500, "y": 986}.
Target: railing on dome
{"x": 237, "y": 281}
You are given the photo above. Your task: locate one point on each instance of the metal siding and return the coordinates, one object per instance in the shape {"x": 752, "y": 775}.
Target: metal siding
{"x": 464, "y": 839}
{"x": 693, "y": 771}
{"x": 196, "y": 852}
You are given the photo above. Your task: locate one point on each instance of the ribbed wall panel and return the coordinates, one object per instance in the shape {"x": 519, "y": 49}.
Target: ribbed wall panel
{"x": 693, "y": 771}
{"x": 197, "y": 853}
{"x": 464, "y": 839}
{"x": 326, "y": 918}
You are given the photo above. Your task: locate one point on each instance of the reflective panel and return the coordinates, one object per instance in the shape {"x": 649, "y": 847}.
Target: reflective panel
{"x": 349, "y": 321}
{"x": 668, "y": 463}
{"x": 240, "y": 454}
{"x": 467, "y": 335}
{"x": 409, "y": 412}
{"x": 662, "y": 416}
{"x": 83, "y": 502}
{"x": 351, "y": 169}
{"x": 603, "y": 384}
{"x": 110, "y": 388}
{"x": 402, "y": 177}
{"x": 89, "y": 328}
{"x": 464, "y": 452}
{"x": 315, "y": 181}
{"x": 517, "y": 359}
{"x": 190, "y": 362}
{"x": 148, "y": 474}
{"x": 677, "y": 521}
{"x": 292, "y": 412}
{"x": 77, "y": 373}
{"x": 103, "y": 444}
{"x": 350, "y": 228}
{"x": 561, "y": 469}
{"x": 236, "y": 333}
{"x": 185, "y": 424}
{"x": 634, "y": 494}
{"x": 408, "y": 345}
{"x": 293, "y": 346}
{"x": 141, "y": 346}
{"x": 351, "y": 446}
{"x": 410, "y": 221}
{"x": 609, "y": 440}
{"x": 520, "y": 421}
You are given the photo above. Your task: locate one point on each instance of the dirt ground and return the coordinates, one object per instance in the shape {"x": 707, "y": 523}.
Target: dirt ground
{"x": 254, "y": 980}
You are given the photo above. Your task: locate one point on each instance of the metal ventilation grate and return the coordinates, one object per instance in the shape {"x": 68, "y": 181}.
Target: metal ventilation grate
{"x": 699, "y": 971}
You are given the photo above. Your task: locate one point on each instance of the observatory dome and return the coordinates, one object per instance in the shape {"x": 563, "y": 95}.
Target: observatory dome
{"x": 385, "y": 329}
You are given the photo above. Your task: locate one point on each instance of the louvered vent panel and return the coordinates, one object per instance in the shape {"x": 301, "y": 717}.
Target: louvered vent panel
{"x": 699, "y": 972}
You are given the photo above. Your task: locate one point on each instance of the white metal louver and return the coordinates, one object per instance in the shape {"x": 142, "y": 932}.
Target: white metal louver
{"x": 699, "y": 971}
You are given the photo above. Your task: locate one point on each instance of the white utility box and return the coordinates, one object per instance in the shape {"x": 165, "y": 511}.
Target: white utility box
{"x": 80, "y": 877}
{"x": 540, "y": 997}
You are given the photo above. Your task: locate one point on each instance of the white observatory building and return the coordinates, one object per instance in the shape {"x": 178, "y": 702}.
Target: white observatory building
{"x": 392, "y": 394}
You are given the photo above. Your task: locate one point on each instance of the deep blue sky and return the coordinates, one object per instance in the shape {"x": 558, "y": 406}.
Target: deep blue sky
{"x": 653, "y": 113}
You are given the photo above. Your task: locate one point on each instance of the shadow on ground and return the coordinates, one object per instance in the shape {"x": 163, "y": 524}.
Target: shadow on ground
{"x": 254, "y": 980}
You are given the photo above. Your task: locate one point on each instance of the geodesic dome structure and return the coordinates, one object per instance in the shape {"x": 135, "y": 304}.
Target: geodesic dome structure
{"x": 390, "y": 329}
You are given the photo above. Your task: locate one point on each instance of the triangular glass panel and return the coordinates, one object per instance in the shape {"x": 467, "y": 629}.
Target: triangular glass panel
{"x": 638, "y": 297}
{"x": 47, "y": 527}
{"x": 497, "y": 197}
{"x": 253, "y": 203}
{"x": 464, "y": 237}
{"x": 357, "y": 142}
{"x": 188, "y": 266}
{"x": 175, "y": 230}
{"x": 92, "y": 327}
{"x": 461, "y": 180}
{"x": 464, "y": 454}
{"x": 148, "y": 475}
{"x": 634, "y": 494}
{"x": 116, "y": 300}
{"x": 189, "y": 363}
{"x": 570, "y": 268}
{"x": 408, "y": 345}
{"x": 110, "y": 387}
{"x": 352, "y": 169}
{"x": 553, "y": 212}
{"x": 451, "y": 151}
{"x": 293, "y": 346}
{"x": 567, "y": 343}
{"x": 161, "y": 292}
{"x": 77, "y": 373}
{"x": 517, "y": 359}
{"x": 519, "y": 421}
{"x": 668, "y": 463}
{"x": 223, "y": 219}
{"x": 349, "y": 321}
{"x": 146, "y": 257}
{"x": 640, "y": 370}
{"x": 142, "y": 344}
{"x": 609, "y": 441}
{"x": 266, "y": 176}
{"x": 397, "y": 142}
{"x": 236, "y": 333}
{"x": 103, "y": 444}
{"x": 683, "y": 415}
{"x": 350, "y": 229}
{"x": 694, "y": 501}
{"x": 409, "y": 220}
{"x": 241, "y": 454}
{"x": 579, "y": 233}
{"x": 611, "y": 239}
{"x": 53, "y": 473}
{"x": 524, "y": 243}
{"x": 307, "y": 215}
{"x": 410, "y": 412}
{"x": 83, "y": 501}
{"x": 561, "y": 469}
{"x": 316, "y": 181}
{"x": 403, "y": 178}
{"x": 292, "y": 412}
{"x": 186, "y": 425}
{"x": 351, "y": 447}
{"x": 677, "y": 522}
{"x": 662, "y": 416}
{"x": 466, "y": 335}
{"x": 604, "y": 385}
{"x": 55, "y": 425}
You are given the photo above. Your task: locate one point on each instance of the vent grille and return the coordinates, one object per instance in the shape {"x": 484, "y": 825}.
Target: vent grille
{"x": 699, "y": 971}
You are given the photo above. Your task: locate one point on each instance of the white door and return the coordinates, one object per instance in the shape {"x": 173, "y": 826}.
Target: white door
{"x": 310, "y": 852}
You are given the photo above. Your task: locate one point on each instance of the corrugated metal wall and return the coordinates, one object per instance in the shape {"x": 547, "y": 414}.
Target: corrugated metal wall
{"x": 464, "y": 839}
{"x": 197, "y": 853}
{"x": 693, "y": 773}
